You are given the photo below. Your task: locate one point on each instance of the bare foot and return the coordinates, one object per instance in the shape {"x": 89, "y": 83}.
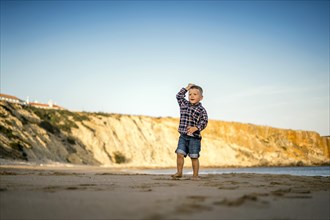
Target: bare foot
{"x": 177, "y": 175}
{"x": 195, "y": 178}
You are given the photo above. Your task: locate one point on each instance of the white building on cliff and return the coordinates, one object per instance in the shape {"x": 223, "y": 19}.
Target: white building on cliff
{"x": 10, "y": 98}
{"x": 14, "y": 99}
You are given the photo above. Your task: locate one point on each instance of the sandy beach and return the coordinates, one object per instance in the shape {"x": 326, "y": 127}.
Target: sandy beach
{"x": 101, "y": 193}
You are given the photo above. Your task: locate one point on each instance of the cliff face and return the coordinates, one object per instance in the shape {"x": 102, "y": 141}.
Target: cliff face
{"x": 31, "y": 134}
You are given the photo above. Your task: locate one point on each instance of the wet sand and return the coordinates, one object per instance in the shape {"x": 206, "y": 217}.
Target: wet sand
{"x": 100, "y": 193}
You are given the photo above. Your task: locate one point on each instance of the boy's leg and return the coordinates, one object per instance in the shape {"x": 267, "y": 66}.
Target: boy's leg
{"x": 181, "y": 152}
{"x": 194, "y": 149}
{"x": 179, "y": 165}
{"x": 195, "y": 166}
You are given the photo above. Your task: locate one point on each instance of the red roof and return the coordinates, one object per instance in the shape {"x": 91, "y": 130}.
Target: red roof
{"x": 57, "y": 106}
{"x": 44, "y": 105}
{"x": 9, "y": 96}
{"x": 38, "y": 104}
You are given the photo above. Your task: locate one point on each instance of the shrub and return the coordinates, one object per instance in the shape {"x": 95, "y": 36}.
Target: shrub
{"x": 119, "y": 157}
{"x": 18, "y": 147}
{"x": 62, "y": 119}
{"x": 71, "y": 140}
{"x": 49, "y": 127}
{"x": 7, "y": 132}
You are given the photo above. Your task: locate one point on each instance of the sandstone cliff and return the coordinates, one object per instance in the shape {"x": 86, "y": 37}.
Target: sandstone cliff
{"x": 40, "y": 135}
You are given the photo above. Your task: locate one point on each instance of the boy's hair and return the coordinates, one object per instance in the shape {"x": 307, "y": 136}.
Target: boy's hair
{"x": 197, "y": 87}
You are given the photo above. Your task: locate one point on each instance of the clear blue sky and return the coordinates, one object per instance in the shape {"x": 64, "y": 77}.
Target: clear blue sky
{"x": 260, "y": 62}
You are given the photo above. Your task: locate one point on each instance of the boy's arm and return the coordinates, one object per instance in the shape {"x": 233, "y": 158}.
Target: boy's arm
{"x": 182, "y": 93}
{"x": 203, "y": 122}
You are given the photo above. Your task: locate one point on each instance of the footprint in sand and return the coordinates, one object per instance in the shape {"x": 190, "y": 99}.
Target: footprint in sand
{"x": 228, "y": 187}
{"x": 292, "y": 193}
{"x": 193, "y": 204}
{"x": 241, "y": 200}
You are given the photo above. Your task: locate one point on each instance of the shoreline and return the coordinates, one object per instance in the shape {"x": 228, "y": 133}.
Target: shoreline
{"x": 276, "y": 170}
{"x": 23, "y": 163}
{"x": 96, "y": 193}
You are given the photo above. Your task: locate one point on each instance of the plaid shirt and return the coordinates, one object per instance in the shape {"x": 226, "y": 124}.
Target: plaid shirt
{"x": 191, "y": 115}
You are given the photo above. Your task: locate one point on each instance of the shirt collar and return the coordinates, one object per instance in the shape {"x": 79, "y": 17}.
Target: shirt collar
{"x": 196, "y": 105}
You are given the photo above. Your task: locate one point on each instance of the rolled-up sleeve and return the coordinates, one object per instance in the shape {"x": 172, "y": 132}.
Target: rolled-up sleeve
{"x": 203, "y": 121}
{"x": 181, "y": 97}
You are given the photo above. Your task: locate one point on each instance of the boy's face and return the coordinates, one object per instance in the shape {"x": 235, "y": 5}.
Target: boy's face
{"x": 195, "y": 96}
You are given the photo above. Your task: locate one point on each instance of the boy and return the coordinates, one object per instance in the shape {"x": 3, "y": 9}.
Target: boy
{"x": 193, "y": 119}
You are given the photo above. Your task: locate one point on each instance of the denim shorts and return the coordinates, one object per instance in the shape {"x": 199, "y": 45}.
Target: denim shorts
{"x": 188, "y": 145}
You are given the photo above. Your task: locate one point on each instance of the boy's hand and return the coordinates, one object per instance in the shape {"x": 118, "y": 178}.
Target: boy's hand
{"x": 191, "y": 130}
{"x": 189, "y": 86}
